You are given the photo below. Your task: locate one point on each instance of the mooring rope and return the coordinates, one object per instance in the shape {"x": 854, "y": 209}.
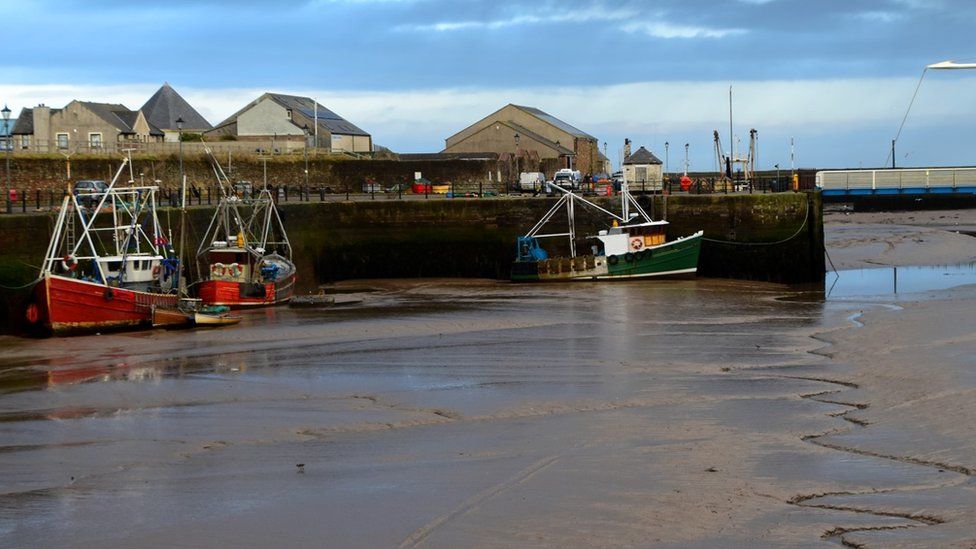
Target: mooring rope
{"x": 14, "y": 288}
{"x": 785, "y": 240}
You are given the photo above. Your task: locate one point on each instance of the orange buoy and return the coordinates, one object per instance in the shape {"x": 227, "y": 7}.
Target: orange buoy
{"x": 32, "y": 313}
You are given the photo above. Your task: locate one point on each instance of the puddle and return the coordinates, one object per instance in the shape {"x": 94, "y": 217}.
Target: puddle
{"x": 890, "y": 281}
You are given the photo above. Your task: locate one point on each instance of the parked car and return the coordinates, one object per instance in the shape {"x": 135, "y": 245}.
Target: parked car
{"x": 89, "y": 191}
{"x": 370, "y": 186}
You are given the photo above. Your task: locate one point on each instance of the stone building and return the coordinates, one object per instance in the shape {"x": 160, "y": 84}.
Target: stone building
{"x": 286, "y": 118}
{"x": 538, "y": 132}
{"x": 165, "y": 107}
{"x": 643, "y": 169}
{"x": 81, "y": 126}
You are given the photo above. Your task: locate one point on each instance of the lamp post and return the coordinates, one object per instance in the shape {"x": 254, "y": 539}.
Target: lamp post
{"x": 777, "y": 175}
{"x": 666, "y": 146}
{"x": 306, "y": 157}
{"x": 686, "y": 158}
{"x": 179, "y": 128}
{"x": 9, "y": 145}
{"x": 515, "y": 160}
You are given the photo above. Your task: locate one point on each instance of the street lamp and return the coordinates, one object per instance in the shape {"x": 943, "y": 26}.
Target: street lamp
{"x": 666, "y": 146}
{"x": 305, "y": 128}
{"x": 515, "y": 159}
{"x": 179, "y": 128}
{"x": 9, "y": 145}
{"x": 686, "y": 158}
{"x": 777, "y": 175}
{"x": 940, "y": 66}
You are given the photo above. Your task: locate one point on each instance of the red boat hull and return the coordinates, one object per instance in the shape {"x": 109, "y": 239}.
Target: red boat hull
{"x": 227, "y": 293}
{"x": 66, "y": 305}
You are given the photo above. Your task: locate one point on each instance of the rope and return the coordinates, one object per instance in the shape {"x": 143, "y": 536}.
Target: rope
{"x": 831, "y": 261}
{"x": 14, "y": 288}
{"x": 785, "y": 240}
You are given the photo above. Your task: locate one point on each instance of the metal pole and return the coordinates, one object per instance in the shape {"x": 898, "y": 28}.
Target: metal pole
{"x": 892, "y": 153}
{"x": 10, "y": 145}
{"x": 666, "y": 145}
{"x": 731, "y": 142}
{"x": 182, "y": 175}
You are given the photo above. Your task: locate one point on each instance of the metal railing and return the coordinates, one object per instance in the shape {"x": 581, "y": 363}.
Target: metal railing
{"x": 268, "y": 147}
{"x": 921, "y": 179}
{"x": 24, "y": 200}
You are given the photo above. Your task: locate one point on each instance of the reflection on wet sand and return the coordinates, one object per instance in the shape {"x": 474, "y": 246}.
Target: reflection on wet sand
{"x": 445, "y": 414}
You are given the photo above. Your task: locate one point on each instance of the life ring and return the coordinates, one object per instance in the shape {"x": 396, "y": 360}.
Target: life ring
{"x": 69, "y": 262}
{"x": 217, "y": 269}
{"x": 629, "y": 257}
{"x": 155, "y": 271}
{"x": 235, "y": 270}
{"x": 109, "y": 295}
{"x": 613, "y": 260}
{"x": 637, "y": 243}
{"x": 32, "y": 313}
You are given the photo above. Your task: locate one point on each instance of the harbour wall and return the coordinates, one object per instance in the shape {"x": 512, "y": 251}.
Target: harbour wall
{"x": 47, "y": 173}
{"x": 769, "y": 237}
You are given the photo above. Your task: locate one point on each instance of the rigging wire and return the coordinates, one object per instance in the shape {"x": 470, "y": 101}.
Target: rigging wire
{"x": 905, "y": 118}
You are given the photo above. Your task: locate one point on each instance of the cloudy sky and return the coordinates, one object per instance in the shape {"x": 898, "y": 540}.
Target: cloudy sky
{"x": 837, "y": 75}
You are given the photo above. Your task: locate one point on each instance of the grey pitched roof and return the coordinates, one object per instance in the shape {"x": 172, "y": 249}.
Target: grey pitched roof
{"x": 166, "y": 105}
{"x": 326, "y": 118}
{"x": 562, "y": 149}
{"x": 542, "y": 115}
{"x": 642, "y": 156}
{"x": 25, "y": 123}
{"x": 117, "y": 115}
{"x": 304, "y": 112}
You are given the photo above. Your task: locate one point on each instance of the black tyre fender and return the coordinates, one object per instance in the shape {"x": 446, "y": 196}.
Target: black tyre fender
{"x": 629, "y": 257}
{"x": 109, "y": 295}
{"x": 613, "y": 260}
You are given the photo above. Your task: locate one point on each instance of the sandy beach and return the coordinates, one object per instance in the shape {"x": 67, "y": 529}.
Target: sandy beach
{"x": 447, "y": 413}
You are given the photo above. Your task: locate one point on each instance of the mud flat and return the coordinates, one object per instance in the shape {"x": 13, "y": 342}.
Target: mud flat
{"x": 443, "y": 413}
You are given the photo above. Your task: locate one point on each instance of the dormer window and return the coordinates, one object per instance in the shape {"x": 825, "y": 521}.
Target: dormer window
{"x": 289, "y": 113}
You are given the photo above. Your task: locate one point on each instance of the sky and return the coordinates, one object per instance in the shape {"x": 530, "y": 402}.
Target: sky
{"x": 835, "y": 76}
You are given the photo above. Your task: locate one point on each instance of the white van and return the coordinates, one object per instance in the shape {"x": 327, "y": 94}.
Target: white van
{"x": 532, "y": 181}
{"x": 568, "y": 179}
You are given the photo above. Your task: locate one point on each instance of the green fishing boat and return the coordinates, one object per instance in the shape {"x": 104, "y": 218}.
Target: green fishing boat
{"x": 634, "y": 246}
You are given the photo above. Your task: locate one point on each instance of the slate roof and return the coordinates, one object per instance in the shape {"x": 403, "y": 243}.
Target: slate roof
{"x": 117, "y": 115}
{"x": 560, "y": 148}
{"x": 642, "y": 156}
{"x": 304, "y": 112}
{"x": 25, "y": 123}
{"x": 546, "y": 117}
{"x": 166, "y": 105}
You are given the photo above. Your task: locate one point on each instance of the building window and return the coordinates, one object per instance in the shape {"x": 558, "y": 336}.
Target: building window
{"x": 25, "y": 142}
{"x": 289, "y": 114}
{"x": 95, "y": 140}
{"x": 62, "y": 141}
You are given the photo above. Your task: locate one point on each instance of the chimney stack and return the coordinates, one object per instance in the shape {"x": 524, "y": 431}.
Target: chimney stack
{"x": 626, "y": 149}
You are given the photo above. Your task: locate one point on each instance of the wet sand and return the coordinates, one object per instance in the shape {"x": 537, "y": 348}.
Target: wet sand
{"x": 478, "y": 413}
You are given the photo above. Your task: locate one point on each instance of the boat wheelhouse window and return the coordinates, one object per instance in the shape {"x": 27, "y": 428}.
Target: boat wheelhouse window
{"x": 114, "y": 265}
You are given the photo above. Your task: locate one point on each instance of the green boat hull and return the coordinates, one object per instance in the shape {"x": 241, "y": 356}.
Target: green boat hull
{"x": 677, "y": 258}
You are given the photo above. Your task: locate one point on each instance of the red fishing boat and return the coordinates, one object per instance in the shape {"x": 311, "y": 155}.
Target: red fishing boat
{"x": 107, "y": 266}
{"x": 245, "y": 255}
